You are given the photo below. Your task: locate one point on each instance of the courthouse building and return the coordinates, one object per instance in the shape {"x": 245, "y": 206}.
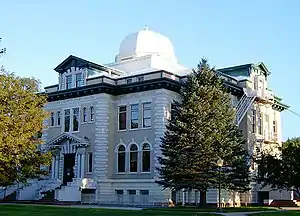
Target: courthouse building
{"x": 107, "y": 121}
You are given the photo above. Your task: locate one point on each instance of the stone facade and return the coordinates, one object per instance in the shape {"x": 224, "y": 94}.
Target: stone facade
{"x": 85, "y": 135}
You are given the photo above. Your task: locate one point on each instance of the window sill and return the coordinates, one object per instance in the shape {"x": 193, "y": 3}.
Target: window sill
{"x": 83, "y": 123}
{"x": 132, "y": 173}
{"x": 146, "y": 128}
{"x": 145, "y": 172}
{"x": 89, "y": 173}
{"x": 90, "y": 122}
{"x": 134, "y": 129}
{"x": 122, "y": 130}
{"x": 74, "y": 132}
{"x": 121, "y": 173}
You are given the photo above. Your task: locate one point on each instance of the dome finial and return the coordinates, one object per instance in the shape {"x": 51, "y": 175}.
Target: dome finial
{"x": 146, "y": 28}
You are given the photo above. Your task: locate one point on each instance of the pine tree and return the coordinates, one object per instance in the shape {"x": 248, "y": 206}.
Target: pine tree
{"x": 202, "y": 131}
{"x": 21, "y": 117}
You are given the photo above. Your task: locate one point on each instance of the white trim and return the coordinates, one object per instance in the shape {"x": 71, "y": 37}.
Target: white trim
{"x": 142, "y": 126}
{"x": 137, "y": 159}
{"x": 88, "y": 162}
{"x": 118, "y": 119}
{"x": 71, "y": 120}
{"x": 117, "y": 158}
{"x": 130, "y": 117}
{"x": 119, "y": 144}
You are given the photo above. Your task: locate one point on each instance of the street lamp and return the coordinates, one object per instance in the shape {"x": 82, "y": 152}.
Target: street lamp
{"x": 220, "y": 164}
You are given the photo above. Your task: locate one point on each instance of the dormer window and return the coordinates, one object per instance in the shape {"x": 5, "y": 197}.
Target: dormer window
{"x": 140, "y": 78}
{"x": 68, "y": 81}
{"x": 79, "y": 80}
{"x": 129, "y": 81}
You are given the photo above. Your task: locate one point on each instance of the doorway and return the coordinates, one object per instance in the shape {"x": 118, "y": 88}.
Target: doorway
{"x": 69, "y": 162}
{"x": 262, "y": 195}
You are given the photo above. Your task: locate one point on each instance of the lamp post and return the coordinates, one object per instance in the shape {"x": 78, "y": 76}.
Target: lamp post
{"x": 220, "y": 164}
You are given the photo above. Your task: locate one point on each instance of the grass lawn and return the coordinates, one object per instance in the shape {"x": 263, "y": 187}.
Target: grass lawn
{"x": 289, "y": 213}
{"x": 34, "y": 210}
{"x": 225, "y": 210}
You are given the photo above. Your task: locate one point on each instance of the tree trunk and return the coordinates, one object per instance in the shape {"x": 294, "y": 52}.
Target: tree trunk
{"x": 202, "y": 198}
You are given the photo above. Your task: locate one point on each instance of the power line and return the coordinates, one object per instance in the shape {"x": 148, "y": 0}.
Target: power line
{"x": 294, "y": 112}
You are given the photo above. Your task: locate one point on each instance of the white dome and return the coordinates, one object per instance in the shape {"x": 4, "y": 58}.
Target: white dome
{"x": 143, "y": 43}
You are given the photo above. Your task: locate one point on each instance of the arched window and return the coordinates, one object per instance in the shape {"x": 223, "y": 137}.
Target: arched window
{"x": 52, "y": 119}
{"x": 146, "y": 158}
{"x": 133, "y": 158}
{"x": 121, "y": 158}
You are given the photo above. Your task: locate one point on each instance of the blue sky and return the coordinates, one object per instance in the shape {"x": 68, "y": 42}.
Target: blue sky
{"x": 39, "y": 35}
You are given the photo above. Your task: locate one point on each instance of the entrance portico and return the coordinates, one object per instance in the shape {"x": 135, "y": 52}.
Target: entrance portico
{"x": 68, "y": 160}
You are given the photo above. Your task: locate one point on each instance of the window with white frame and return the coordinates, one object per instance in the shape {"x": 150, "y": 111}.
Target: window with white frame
{"x": 121, "y": 159}
{"x": 90, "y": 162}
{"x": 52, "y": 119}
{"x": 92, "y": 113}
{"x": 259, "y": 122}
{"x": 134, "y": 122}
{"x": 58, "y": 118}
{"x": 133, "y": 166}
{"x": 253, "y": 121}
{"x": 68, "y": 81}
{"x": 71, "y": 123}
{"x": 146, "y": 157}
{"x": 147, "y": 115}
{"x": 122, "y": 117}
{"x": 79, "y": 81}
{"x": 84, "y": 114}
{"x": 75, "y": 119}
{"x": 67, "y": 121}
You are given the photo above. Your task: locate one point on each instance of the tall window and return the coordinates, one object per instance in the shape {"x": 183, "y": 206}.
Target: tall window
{"x": 75, "y": 119}
{"x": 121, "y": 158}
{"x": 68, "y": 81}
{"x": 90, "y": 166}
{"x": 133, "y": 158}
{"x": 67, "y": 120}
{"x": 92, "y": 113}
{"x": 122, "y": 118}
{"x": 253, "y": 121}
{"x": 58, "y": 117}
{"x": 275, "y": 126}
{"x": 84, "y": 114}
{"x": 52, "y": 119}
{"x": 146, "y": 158}
{"x": 146, "y": 115}
{"x": 79, "y": 80}
{"x": 134, "y": 116}
{"x": 259, "y": 122}
{"x": 173, "y": 111}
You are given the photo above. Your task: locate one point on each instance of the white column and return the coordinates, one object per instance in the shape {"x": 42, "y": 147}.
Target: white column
{"x": 82, "y": 165}
{"x": 53, "y": 167}
{"x": 78, "y": 172}
{"x": 56, "y": 166}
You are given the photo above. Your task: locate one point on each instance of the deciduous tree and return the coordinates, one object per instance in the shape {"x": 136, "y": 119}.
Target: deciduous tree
{"x": 21, "y": 117}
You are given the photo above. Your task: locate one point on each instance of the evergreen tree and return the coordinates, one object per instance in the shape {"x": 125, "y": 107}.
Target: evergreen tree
{"x": 201, "y": 131}
{"x": 21, "y": 117}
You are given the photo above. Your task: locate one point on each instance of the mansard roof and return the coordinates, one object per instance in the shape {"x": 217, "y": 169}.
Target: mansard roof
{"x": 74, "y": 61}
{"x": 247, "y": 67}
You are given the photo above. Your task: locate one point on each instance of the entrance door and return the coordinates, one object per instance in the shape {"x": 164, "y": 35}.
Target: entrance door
{"x": 262, "y": 195}
{"x": 69, "y": 162}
